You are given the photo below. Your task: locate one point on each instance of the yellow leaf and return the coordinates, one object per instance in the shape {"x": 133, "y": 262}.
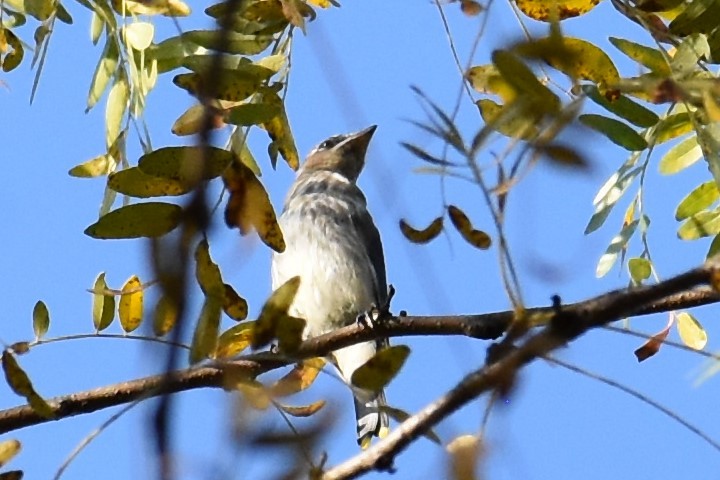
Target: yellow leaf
{"x": 104, "y": 71}
{"x": 100, "y": 165}
{"x": 192, "y": 121}
{"x": 302, "y": 411}
{"x": 8, "y": 449}
{"x": 487, "y": 79}
{"x": 424, "y": 235}
{"x": 279, "y": 131}
{"x": 20, "y": 383}
{"x": 117, "y": 104}
{"x": 186, "y": 165}
{"x": 151, "y": 219}
{"x": 130, "y": 309}
{"x": 377, "y": 372}
{"x": 464, "y": 452}
{"x": 207, "y": 272}
{"x": 576, "y": 58}
{"x": 274, "y": 312}
{"x": 166, "y": 316}
{"x": 41, "y": 319}
{"x": 691, "y": 331}
{"x": 136, "y": 183}
{"x": 167, "y": 8}
{"x": 299, "y": 378}
{"x": 234, "y": 305}
{"x": 234, "y": 340}
{"x": 249, "y": 206}
{"x": 103, "y": 309}
{"x": 547, "y": 10}
{"x": 255, "y": 394}
{"x": 205, "y": 338}
{"x": 511, "y": 122}
{"x": 476, "y": 238}
{"x": 233, "y": 85}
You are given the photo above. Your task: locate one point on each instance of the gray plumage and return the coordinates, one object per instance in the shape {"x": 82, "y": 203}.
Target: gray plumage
{"x": 334, "y": 246}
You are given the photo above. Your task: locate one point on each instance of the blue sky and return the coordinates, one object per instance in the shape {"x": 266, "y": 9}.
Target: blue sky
{"x": 354, "y": 68}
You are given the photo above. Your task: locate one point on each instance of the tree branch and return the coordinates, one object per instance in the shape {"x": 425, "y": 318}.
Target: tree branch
{"x": 673, "y": 294}
{"x": 568, "y": 322}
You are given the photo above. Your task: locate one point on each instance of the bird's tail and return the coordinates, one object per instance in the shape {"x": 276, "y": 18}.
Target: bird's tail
{"x": 370, "y": 420}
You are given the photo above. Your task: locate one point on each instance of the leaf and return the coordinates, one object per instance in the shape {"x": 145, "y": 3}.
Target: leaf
{"x": 377, "y": 372}
{"x": 487, "y": 79}
{"x": 400, "y": 416}
{"x": 20, "y": 383}
{"x": 136, "y": 183}
{"x": 424, "y": 235}
{"x": 15, "y": 56}
{"x": 41, "y": 319}
{"x": 100, "y": 165}
{"x": 526, "y": 85}
{"x": 205, "y": 338}
{"x": 691, "y": 331}
{"x": 138, "y": 35}
{"x": 672, "y": 126}
{"x": 187, "y": 165}
{"x": 234, "y": 305}
{"x": 252, "y": 114}
{"x": 702, "y": 224}
{"x": 192, "y": 121}
{"x": 623, "y": 107}
{"x": 680, "y": 156}
{"x": 616, "y": 131}
{"x": 254, "y": 393}
{"x": 576, "y": 58}
{"x": 279, "y": 131}
{"x": 167, "y": 8}
{"x": 151, "y": 219}
{"x": 234, "y": 340}
{"x": 640, "y": 269}
{"x": 117, "y": 104}
{"x": 561, "y": 155}
{"x": 303, "y": 411}
{"x": 692, "y": 50}
{"x": 8, "y": 449}
{"x": 165, "y": 316}
{"x": 249, "y": 206}
{"x": 234, "y": 85}
{"x": 617, "y": 245}
{"x": 653, "y": 344}
{"x": 207, "y": 272}
{"x": 234, "y": 43}
{"x": 510, "y": 121}
{"x": 612, "y": 191}
{"x": 646, "y": 56}
{"x": 699, "y": 16}
{"x": 714, "y": 247}
{"x": 299, "y": 378}
{"x": 558, "y": 9}
{"x": 476, "y": 238}
{"x": 130, "y": 308}
{"x": 464, "y": 451}
{"x": 104, "y": 71}
{"x": 701, "y": 198}
{"x": 103, "y": 308}
{"x": 274, "y": 312}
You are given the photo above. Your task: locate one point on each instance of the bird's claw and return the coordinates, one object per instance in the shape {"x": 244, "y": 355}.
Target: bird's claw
{"x": 377, "y": 314}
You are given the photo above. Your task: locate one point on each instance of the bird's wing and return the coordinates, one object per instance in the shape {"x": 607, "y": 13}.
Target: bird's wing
{"x": 368, "y": 232}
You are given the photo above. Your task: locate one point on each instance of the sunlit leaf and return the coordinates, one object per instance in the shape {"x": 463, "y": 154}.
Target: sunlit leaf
{"x": 10, "y": 58}
{"x": 41, "y": 319}
{"x": 714, "y": 247}
{"x": 691, "y": 331}
{"x": 20, "y": 383}
{"x": 487, "y": 79}
{"x": 252, "y": 114}
{"x": 117, "y": 104}
{"x": 100, "y": 165}
{"x": 646, "y": 56}
{"x": 234, "y": 340}
{"x": 640, "y": 269}
{"x": 249, "y": 206}
{"x": 279, "y": 131}
{"x": 302, "y": 411}
{"x": 680, "y": 156}
{"x": 139, "y": 35}
{"x": 616, "y": 131}
{"x": 205, "y": 338}
{"x": 547, "y": 10}
{"x": 103, "y": 307}
{"x": 151, "y": 219}
{"x": 702, "y": 197}
{"x": 254, "y": 393}
{"x": 424, "y": 235}
{"x": 673, "y": 126}
{"x": 377, "y": 372}
{"x": 234, "y": 43}
{"x": 476, "y": 238}
{"x": 130, "y": 307}
{"x": 274, "y": 312}
{"x": 207, "y": 272}
{"x": 136, "y": 183}
{"x": 8, "y": 449}
{"x": 167, "y": 8}
{"x": 623, "y": 107}
{"x": 525, "y": 83}
{"x": 104, "y": 71}
{"x": 510, "y": 121}
{"x": 192, "y": 121}
{"x": 702, "y": 224}
{"x": 617, "y": 245}
{"x": 299, "y": 378}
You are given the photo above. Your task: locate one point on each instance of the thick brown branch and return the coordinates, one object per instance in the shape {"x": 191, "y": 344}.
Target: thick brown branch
{"x": 674, "y": 294}
{"x": 568, "y": 323}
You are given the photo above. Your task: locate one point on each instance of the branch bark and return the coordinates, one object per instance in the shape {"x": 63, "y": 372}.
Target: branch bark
{"x": 677, "y": 293}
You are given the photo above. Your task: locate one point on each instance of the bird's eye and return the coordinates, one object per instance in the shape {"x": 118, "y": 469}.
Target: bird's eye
{"x": 330, "y": 142}
{"x": 326, "y": 144}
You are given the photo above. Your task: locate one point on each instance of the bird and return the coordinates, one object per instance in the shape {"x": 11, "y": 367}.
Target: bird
{"x": 332, "y": 243}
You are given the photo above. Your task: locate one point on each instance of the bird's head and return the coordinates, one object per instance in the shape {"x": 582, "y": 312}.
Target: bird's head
{"x": 344, "y": 154}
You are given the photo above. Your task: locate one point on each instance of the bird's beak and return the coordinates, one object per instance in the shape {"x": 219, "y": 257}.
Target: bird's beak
{"x": 358, "y": 141}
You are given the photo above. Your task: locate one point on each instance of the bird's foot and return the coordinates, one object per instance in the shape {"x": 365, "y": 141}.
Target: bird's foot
{"x": 377, "y": 314}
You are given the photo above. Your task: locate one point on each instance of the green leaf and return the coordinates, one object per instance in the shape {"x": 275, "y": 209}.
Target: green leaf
{"x": 205, "y": 338}
{"x": 616, "y": 247}
{"x": 709, "y": 140}
{"x": 104, "y": 71}
{"x": 714, "y": 247}
{"x": 41, "y": 319}
{"x": 680, "y": 156}
{"x": 672, "y": 126}
{"x": 207, "y": 272}
{"x": 117, "y": 104}
{"x": 616, "y": 131}
{"x": 646, "y": 56}
{"x": 525, "y": 83}
{"x": 640, "y": 269}
{"x": 691, "y": 331}
{"x": 251, "y": 114}
{"x": 508, "y": 120}
{"x": 623, "y": 107}
{"x": 186, "y": 164}
{"x": 377, "y": 372}
{"x": 135, "y": 183}
{"x": 232, "y": 42}
{"x": 702, "y": 224}
{"x": 274, "y": 312}
{"x": 103, "y": 309}
{"x": 702, "y": 197}
{"x": 699, "y": 16}
{"x": 151, "y": 219}
{"x": 20, "y": 383}
{"x": 612, "y": 191}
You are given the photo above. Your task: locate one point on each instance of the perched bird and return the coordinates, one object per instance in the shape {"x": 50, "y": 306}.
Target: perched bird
{"x": 334, "y": 246}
